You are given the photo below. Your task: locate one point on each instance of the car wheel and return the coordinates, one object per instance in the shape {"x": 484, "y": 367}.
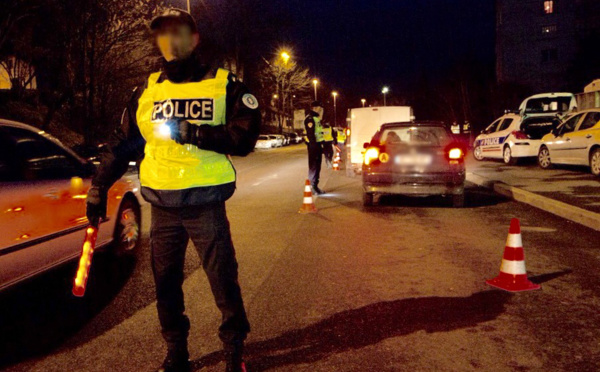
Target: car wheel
{"x": 368, "y": 199}
{"x": 595, "y": 162}
{"x": 544, "y": 158}
{"x": 458, "y": 200}
{"x": 127, "y": 228}
{"x": 507, "y": 156}
{"x": 478, "y": 153}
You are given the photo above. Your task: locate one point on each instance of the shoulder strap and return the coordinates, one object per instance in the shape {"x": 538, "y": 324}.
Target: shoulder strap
{"x": 222, "y": 74}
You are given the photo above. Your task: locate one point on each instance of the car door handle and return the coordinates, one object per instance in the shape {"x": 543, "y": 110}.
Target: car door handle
{"x": 588, "y": 136}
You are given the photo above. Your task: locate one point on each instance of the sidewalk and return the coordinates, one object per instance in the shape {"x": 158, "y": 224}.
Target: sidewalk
{"x": 570, "y": 192}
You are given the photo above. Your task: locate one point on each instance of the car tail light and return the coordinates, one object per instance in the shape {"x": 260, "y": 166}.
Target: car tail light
{"x": 371, "y": 154}
{"x": 519, "y": 135}
{"x": 348, "y": 132}
{"x": 455, "y": 153}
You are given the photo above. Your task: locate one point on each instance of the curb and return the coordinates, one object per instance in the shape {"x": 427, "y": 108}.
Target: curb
{"x": 564, "y": 210}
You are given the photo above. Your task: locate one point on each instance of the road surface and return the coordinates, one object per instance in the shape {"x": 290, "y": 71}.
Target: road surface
{"x": 395, "y": 287}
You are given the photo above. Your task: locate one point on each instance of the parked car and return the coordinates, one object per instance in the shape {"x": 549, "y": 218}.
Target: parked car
{"x": 512, "y": 137}
{"x": 43, "y": 188}
{"x": 576, "y": 141}
{"x": 414, "y": 158}
{"x": 265, "y": 142}
{"x": 295, "y": 138}
{"x": 278, "y": 138}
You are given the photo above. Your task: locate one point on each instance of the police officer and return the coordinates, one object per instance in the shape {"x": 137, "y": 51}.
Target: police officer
{"x": 185, "y": 121}
{"x": 314, "y": 136}
{"x": 328, "y": 143}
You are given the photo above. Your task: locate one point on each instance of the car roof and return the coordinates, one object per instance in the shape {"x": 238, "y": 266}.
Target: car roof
{"x": 30, "y": 128}
{"x": 423, "y": 123}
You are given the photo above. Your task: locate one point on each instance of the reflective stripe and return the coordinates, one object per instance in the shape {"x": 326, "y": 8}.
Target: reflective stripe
{"x": 513, "y": 267}
{"x": 308, "y": 200}
{"x": 514, "y": 240}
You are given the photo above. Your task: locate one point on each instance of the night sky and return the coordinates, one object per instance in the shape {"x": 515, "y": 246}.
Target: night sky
{"x": 359, "y": 46}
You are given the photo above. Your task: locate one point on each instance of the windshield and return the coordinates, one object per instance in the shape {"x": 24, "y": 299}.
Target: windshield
{"x": 548, "y": 105}
{"x": 263, "y": 137}
{"x": 421, "y": 136}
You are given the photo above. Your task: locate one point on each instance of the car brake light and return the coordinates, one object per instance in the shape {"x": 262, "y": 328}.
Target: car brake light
{"x": 371, "y": 154}
{"x": 519, "y": 135}
{"x": 455, "y": 153}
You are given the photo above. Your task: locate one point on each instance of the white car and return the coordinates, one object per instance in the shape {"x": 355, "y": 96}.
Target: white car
{"x": 278, "y": 138}
{"x": 576, "y": 141}
{"x": 265, "y": 142}
{"x": 43, "y": 188}
{"x": 518, "y": 135}
{"x": 513, "y": 136}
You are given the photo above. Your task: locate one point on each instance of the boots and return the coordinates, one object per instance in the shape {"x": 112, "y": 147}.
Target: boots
{"x": 233, "y": 358}
{"x": 177, "y": 360}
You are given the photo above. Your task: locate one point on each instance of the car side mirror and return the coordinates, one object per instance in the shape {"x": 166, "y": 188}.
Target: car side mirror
{"x": 366, "y": 145}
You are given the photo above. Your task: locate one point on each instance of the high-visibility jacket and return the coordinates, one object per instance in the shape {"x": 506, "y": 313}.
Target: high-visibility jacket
{"x": 168, "y": 165}
{"x": 327, "y": 134}
{"x": 341, "y": 136}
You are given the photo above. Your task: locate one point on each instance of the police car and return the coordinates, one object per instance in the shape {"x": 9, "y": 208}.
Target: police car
{"x": 518, "y": 134}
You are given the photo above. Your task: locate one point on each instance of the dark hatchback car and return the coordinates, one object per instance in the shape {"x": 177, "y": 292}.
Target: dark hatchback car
{"x": 414, "y": 158}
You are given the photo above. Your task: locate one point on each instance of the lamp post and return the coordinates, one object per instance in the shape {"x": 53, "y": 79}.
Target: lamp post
{"x": 315, "y": 82}
{"x": 189, "y": 8}
{"x": 363, "y": 101}
{"x": 385, "y": 91}
{"x": 334, "y": 94}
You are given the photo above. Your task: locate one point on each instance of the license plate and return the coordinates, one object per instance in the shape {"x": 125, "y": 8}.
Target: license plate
{"x": 413, "y": 159}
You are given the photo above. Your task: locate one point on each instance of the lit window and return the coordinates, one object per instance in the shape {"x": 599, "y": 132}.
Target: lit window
{"x": 546, "y": 30}
{"x": 549, "y": 7}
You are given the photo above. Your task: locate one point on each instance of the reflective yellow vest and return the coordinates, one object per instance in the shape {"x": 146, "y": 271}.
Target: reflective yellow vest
{"x": 168, "y": 165}
{"x": 318, "y": 129}
{"x": 327, "y": 135}
{"x": 341, "y": 136}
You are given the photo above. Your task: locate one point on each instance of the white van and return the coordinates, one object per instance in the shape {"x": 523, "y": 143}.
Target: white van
{"x": 363, "y": 123}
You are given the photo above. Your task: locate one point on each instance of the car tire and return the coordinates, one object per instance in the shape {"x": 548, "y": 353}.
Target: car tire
{"x": 595, "y": 162}
{"x": 368, "y": 199}
{"x": 544, "y": 160}
{"x": 458, "y": 200}
{"x": 478, "y": 153}
{"x": 126, "y": 238}
{"x": 507, "y": 156}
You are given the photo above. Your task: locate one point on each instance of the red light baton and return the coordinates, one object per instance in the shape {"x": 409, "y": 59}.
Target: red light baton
{"x": 85, "y": 261}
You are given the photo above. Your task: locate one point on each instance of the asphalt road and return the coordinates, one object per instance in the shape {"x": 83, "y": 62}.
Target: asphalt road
{"x": 395, "y": 287}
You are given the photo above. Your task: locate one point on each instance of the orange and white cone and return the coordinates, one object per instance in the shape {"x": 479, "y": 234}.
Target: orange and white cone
{"x": 336, "y": 161}
{"x": 308, "y": 206}
{"x": 513, "y": 276}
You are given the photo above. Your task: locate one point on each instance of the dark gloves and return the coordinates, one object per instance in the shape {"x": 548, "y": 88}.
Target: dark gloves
{"x": 184, "y": 132}
{"x": 96, "y": 205}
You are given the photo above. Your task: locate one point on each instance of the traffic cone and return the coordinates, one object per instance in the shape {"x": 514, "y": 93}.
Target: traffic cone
{"x": 336, "y": 162}
{"x": 307, "y": 205}
{"x": 513, "y": 276}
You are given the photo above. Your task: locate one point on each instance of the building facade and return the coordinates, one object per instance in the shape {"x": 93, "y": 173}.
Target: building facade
{"x": 537, "y": 41}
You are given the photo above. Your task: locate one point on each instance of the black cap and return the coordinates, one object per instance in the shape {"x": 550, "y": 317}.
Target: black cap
{"x": 316, "y": 104}
{"x": 175, "y": 14}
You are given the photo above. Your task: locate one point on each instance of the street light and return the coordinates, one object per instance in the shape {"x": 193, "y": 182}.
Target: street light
{"x": 385, "y": 91}
{"x": 334, "y": 94}
{"x": 315, "y": 82}
{"x": 363, "y": 101}
{"x": 285, "y": 56}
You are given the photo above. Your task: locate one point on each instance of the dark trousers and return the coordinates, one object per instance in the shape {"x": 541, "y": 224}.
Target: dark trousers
{"x": 328, "y": 151}
{"x": 208, "y": 227}
{"x": 315, "y": 156}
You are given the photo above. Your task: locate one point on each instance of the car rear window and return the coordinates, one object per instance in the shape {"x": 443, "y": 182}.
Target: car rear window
{"x": 421, "y": 135}
{"x": 536, "y": 128}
